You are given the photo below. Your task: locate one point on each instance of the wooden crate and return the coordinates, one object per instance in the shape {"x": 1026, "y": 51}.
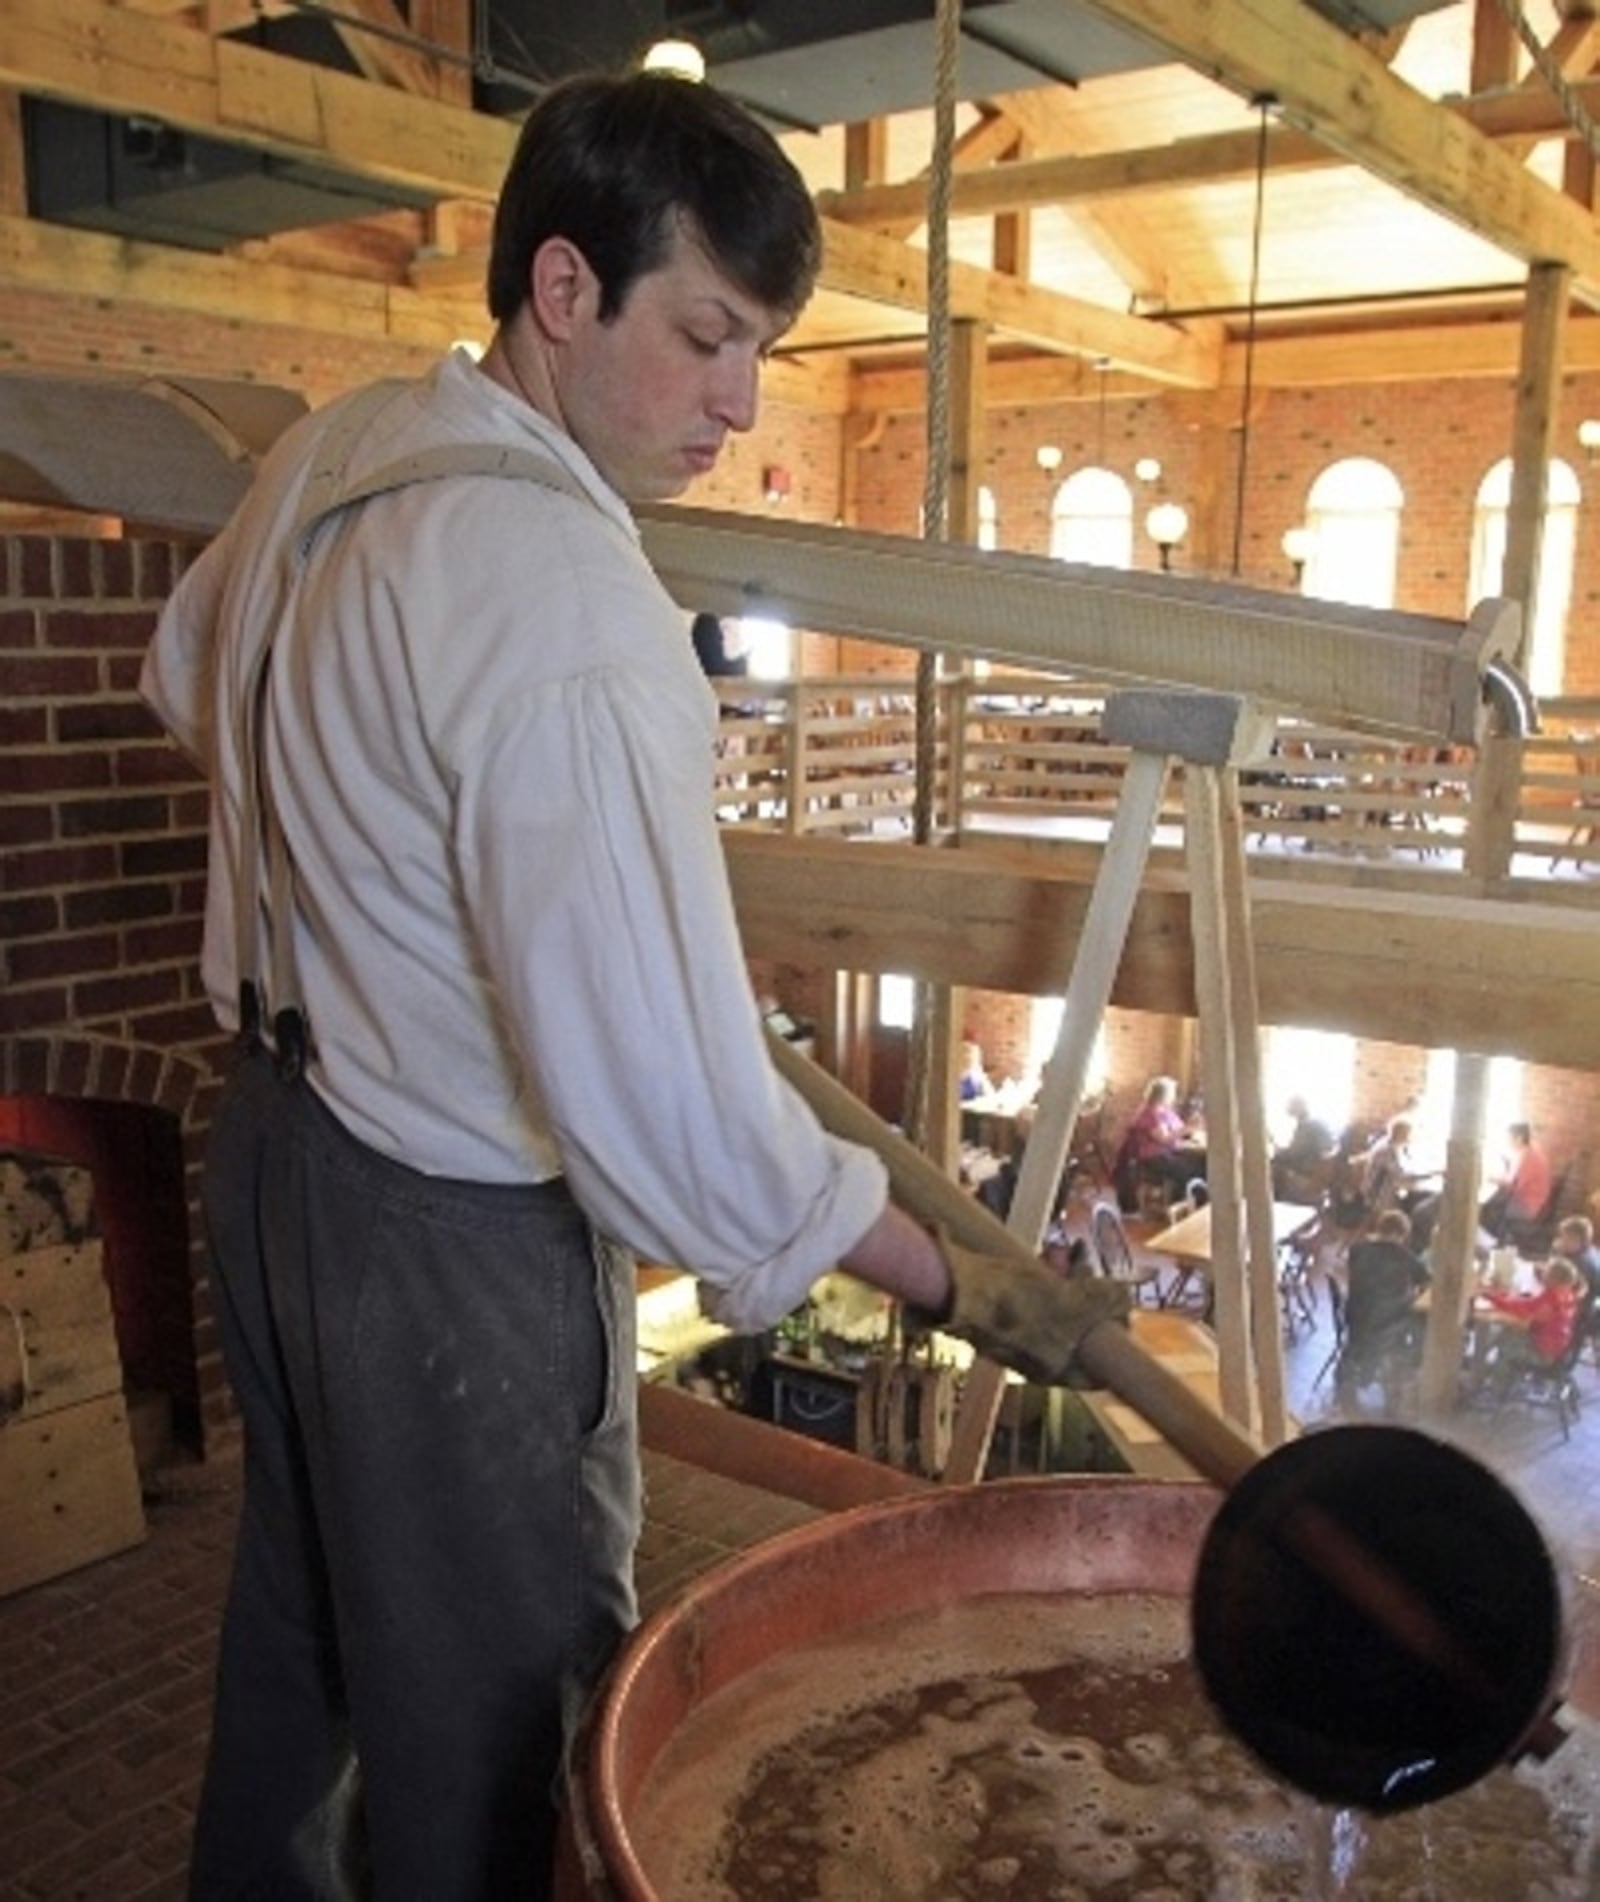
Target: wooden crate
{"x": 69, "y": 1486}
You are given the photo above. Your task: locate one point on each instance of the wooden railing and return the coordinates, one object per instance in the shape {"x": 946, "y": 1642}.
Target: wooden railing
{"x": 838, "y": 755}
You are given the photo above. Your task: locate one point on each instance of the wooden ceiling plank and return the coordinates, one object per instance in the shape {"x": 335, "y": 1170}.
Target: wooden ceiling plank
{"x": 89, "y": 53}
{"x": 1331, "y": 85}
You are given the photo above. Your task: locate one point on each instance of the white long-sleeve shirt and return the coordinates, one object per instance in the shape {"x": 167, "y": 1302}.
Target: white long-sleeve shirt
{"x": 490, "y": 749}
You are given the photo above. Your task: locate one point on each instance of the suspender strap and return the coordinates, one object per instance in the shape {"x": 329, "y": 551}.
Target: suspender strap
{"x": 327, "y": 491}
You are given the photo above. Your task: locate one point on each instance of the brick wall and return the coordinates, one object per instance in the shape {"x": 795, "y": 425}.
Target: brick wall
{"x": 102, "y": 859}
{"x": 1439, "y": 440}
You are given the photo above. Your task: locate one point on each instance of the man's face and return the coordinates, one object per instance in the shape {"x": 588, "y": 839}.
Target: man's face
{"x": 651, "y": 395}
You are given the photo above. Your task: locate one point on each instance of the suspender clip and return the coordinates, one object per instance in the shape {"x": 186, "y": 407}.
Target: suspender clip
{"x": 249, "y": 1017}
{"x": 289, "y": 1035}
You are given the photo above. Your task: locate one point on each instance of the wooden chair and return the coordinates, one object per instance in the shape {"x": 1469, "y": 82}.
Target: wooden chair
{"x": 1553, "y": 1384}
{"x": 1116, "y": 1254}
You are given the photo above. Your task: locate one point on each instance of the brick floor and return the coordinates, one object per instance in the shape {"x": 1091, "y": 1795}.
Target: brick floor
{"x": 105, "y": 1674}
{"x": 105, "y": 1678}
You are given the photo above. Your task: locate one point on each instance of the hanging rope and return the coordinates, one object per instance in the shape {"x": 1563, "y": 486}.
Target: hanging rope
{"x": 1265, "y": 102}
{"x": 935, "y": 497}
{"x": 1572, "y": 106}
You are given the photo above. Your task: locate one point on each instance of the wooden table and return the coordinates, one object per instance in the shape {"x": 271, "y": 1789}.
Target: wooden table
{"x": 1188, "y": 1240}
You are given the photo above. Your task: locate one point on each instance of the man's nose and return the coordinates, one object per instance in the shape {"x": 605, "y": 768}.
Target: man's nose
{"x": 736, "y": 397}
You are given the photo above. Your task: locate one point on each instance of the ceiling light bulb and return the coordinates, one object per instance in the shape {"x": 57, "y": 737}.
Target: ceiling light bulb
{"x": 1167, "y": 524}
{"x": 681, "y": 57}
{"x": 1147, "y": 469}
{"x": 1048, "y": 457}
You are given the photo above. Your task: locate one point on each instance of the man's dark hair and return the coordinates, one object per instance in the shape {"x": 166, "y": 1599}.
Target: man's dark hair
{"x": 611, "y": 164}
{"x": 1521, "y": 1132}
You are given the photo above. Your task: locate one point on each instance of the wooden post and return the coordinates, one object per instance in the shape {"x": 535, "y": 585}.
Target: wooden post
{"x": 1491, "y": 838}
{"x": 1265, "y": 1323}
{"x": 794, "y": 761}
{"x": 1454, "y": 1239}
{"x": 1544, "y": 329}
{"x": 1235, "y": 1382}
{"x": 1094, "y": 970}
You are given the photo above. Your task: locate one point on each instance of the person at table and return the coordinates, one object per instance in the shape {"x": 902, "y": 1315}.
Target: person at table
{"x": 1574, "y": 1240}
{"x": 1158, "y": 1145}
{"x": 1300, "y": 1168}
{"x": 973, "y": 1082}
{"x": 1521, "y": 1189}
{"x": 1383, "y": 1331}
{"x": 1548, "y": 1318}
{"x": 1389, "y": 1176}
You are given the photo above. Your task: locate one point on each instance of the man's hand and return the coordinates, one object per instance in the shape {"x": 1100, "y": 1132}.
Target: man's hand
{"x": 1026, "y": 1318}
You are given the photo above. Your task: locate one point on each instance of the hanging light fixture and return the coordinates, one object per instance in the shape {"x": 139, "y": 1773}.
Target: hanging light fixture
{"x": 1589, "y": 437}
{"x": 1166, "y": 525}
{"x": 1263, "y": 102}
{"x": 1299, "y": 544}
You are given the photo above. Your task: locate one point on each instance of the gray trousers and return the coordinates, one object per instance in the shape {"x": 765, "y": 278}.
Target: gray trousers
{"x": 441, "y": 1502}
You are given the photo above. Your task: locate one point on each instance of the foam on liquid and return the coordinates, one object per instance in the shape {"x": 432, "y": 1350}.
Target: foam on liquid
{"x": 1047, "y": 1747}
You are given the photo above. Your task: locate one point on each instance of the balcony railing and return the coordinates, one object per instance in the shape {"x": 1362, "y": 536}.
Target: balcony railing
{"x": 1023, "y": 756}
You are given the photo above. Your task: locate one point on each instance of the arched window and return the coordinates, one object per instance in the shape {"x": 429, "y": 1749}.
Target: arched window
{"x": 1092, "y": 519}
{"x": 1546, "y": 652}
{"x": 1353, "y": 511}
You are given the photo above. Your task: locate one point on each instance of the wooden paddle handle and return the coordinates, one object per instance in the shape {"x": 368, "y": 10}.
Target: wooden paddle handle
{"x": 1108, "y": 1353}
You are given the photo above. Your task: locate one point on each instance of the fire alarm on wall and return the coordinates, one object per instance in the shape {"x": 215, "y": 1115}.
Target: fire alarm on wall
{"x": 775, "y": 483}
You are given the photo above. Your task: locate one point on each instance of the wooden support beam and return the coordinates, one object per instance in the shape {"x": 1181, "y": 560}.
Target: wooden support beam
{"x": 1394, "y": 965}
{"x": 1310, "y": 360}
{"x": 1329, "y": 84}
{"x": 1081, "y": 178}
{"x": 1357, "y": 668}
{"x": 1075, "y": 179}
{"x": 57, "y": 261}
{"x": 13, "y": 167}
{"x": 447, "y": 23}
{"x": 378, "y": 55}
{"x": 1494, "y": 46}
{"x": 862, "y": 263}
{"x": 1538, "y": 393}
{"x": 89, "y": 53}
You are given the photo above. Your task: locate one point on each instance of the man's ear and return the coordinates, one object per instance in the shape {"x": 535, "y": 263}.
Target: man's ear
{"x": 559, "y": 282}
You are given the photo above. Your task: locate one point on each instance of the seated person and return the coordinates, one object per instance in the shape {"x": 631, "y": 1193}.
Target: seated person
{"x": 1521, "y": 1189}
{"x": 1389, "y": 1179}
{"x": 1551, "y": 1316}
{"x": 1383, "y": 1331}
{"x": 974, "y": 1079}
{"x": 1575, "y": 1241}
{"x": 1300, "y": 1167}
{"x": 1157, "y": 1146}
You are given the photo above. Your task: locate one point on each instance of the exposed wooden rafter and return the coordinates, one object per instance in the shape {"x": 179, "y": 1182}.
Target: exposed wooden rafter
{"x": 89, "y": 53}
{"x": 1331, "y": 85}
